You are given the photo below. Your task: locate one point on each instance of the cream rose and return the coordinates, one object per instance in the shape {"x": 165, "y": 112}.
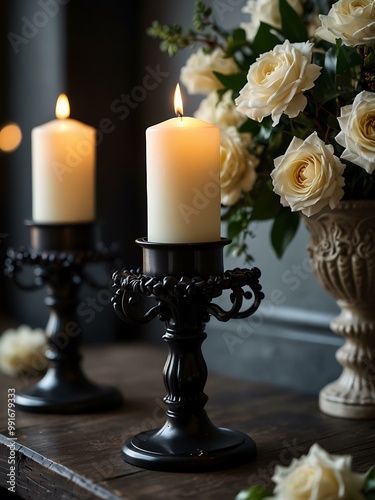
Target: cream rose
{"x": 220, "y": 112}
{"x": 353, "y": 22}
{"x": 308, "y": 176}
{"x": 265, "y": 11}
{"x": 237, "y": 166}
{"x": 318, "y": 475}
{"x": 276, "y": 82}
{"x": 357, "y": 123}
{"x": 22, "y": 349}
{"x": 197, "y": 75}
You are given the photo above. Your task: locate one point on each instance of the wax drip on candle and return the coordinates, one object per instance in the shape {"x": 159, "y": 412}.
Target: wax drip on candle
{"x": 178, "y": 106}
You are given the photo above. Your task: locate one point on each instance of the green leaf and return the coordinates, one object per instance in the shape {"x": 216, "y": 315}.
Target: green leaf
{"x": 266, "y": 206}
{"x": 265, "y": 39}
{"x": 370, "y": 57}
{"x": 265, "y": 130}
{"x": 239, "y": 35}
{"x": 237, "y": 42}
{"x": 249, "y": 126}
{"x": 347, "y": 58}
{"x": 283, "y": 230}
{"x": 330, "y": 62}
{"x": 369, "y": 486}
{"x": 235, "y": 227}
{"x": 233, "y": 82}
{"x": 257, "y": 492}
{"x": 325, "y": 87}
{"x": 292, "y": 26}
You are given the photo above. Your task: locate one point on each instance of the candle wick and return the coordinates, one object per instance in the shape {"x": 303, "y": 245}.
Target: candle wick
{"x": 179, "y": 114}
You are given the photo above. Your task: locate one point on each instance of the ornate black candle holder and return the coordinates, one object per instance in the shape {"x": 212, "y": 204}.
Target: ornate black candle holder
{"x": 59, "y": 255}
{"x": 184, "y": 279}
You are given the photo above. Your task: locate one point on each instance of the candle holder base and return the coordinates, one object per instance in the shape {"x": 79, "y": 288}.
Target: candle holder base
{"x": 191, "y": 444}
{"x": 87, "y": 398}
{"x": 65, "y": 389}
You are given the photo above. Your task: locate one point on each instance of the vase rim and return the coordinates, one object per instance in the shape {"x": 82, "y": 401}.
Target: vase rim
{"x": 344, "y": 205}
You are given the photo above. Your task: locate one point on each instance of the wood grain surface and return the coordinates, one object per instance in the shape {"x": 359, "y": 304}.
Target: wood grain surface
{"x": 78, "y": 456}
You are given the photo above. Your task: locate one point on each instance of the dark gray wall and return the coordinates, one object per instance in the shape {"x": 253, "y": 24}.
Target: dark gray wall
{"x": 85, "y": 49}
{"x": 35, "y": 54}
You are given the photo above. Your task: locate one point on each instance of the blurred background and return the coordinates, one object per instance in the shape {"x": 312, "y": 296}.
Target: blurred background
{"x": 98, "y": 53}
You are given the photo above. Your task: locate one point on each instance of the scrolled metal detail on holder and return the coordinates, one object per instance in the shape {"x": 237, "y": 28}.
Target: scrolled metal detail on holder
{"x": 47, "y": 263}
{"x": 136, "y": 283}
{"x": 188, "y": 440}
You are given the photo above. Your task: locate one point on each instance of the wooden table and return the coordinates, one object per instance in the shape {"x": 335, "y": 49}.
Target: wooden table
{"x": 77, "y": 456}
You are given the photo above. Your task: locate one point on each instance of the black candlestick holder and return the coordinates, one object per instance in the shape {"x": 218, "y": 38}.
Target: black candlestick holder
{"x": 183, "y": 279}
{"x": 58, "y": 256}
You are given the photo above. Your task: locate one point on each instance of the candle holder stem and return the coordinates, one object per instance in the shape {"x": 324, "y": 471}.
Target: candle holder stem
{"x": 64, "y": 388}
{"x": 188, "y": 440}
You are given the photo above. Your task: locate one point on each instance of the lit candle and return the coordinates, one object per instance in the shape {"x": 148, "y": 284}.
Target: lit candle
{"x": 63, "y": 169}
{"x": 183, "y": 180}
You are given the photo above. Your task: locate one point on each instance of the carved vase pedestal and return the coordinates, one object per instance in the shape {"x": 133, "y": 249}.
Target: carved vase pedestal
{"x": 342, "y": 256}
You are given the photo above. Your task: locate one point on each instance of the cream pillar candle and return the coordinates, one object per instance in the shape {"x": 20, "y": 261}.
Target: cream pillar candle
{"x": 183, "y": 180}
{"x": 63, "y": 169}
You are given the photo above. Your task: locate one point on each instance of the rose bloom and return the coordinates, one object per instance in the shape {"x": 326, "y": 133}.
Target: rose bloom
{"x": 22, "y": 349}
{"x": 265, "y": 11}
{"x": 198, "y": 76}
{"x": 353, "y": 22}
{"x": 220, "y": 112}
{"x": 237, "y": 166}
{"x": 308, "y": 176}
{"x": 276, "y": 82}
{"x": 357, "y": 123}
{"x": 318, "y": 475}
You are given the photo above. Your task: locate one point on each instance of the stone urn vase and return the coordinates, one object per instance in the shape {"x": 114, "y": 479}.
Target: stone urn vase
{"x": 342, "y": 256}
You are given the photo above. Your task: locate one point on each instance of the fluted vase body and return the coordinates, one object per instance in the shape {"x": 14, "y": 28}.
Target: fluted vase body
{"x": 342, "y": 256}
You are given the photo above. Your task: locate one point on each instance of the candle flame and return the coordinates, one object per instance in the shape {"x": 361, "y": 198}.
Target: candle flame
{"x": 178, "y": 106}
{"x": 62, "y": 106}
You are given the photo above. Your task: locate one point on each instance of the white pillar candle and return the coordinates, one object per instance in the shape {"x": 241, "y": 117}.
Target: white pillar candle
{"x": 63, "y": 169}
{"x": 183, "y": 180}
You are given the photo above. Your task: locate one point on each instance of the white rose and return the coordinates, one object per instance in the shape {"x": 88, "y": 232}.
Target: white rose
{"x": 22, "y": 349}
{"x": 353, "y": 22}
{"x": 308, "y": 176}
{"x": 318, "y": 475}
{"x": 276, "y": 82}
{"x": 198, "y": 76}
{"x": 237, "y": 166}
{"x": 357, "y": 123}
{"x": 265, "y": 11}
{"x": 220, "y": 112}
